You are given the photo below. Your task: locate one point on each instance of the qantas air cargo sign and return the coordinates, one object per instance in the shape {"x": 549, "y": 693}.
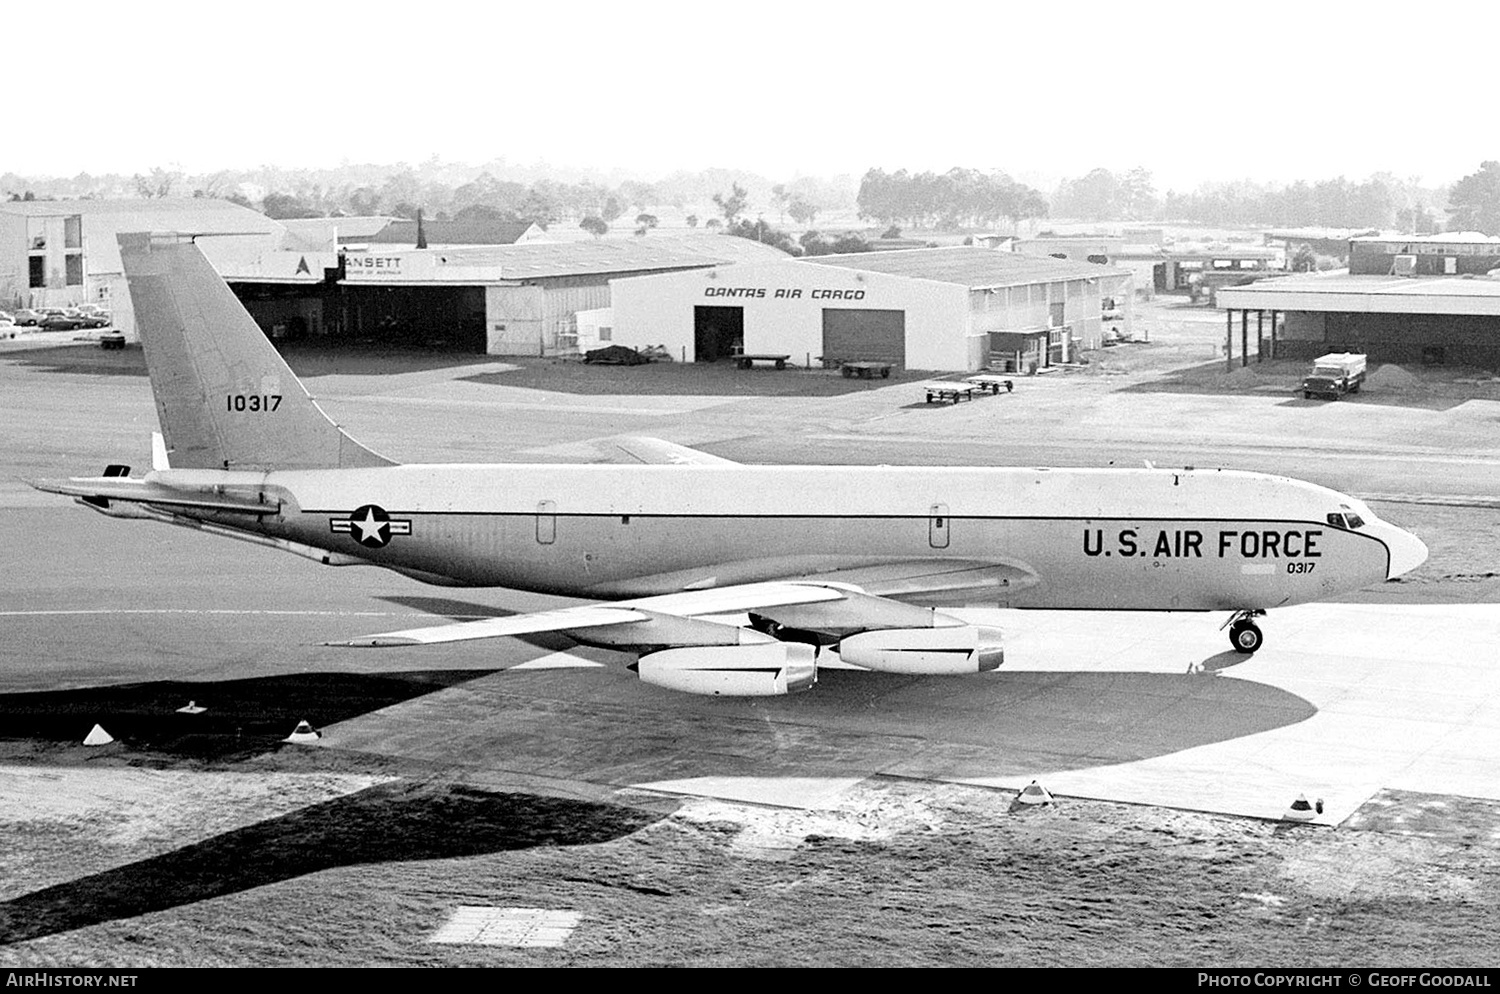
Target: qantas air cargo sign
{"x": 782, "y": 293}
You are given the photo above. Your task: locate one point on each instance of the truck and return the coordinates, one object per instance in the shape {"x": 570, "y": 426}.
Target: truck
{"x": 1334, "y": 375}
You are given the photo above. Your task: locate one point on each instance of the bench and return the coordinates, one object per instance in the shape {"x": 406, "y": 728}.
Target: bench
{"x": 865, "y": 370}
{"x": 951, "y": 392}
{"x": 990, "y": 382}
{"x": 745, "y": 360}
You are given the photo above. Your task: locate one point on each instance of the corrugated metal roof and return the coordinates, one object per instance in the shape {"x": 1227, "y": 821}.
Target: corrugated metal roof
{"x": 348, "y": 228}
{"x": 125, "y": 205}
{"x": 1442, "y": 237}
{"x": 976, "y": 268}
{"x": 401, "y": 231}
{"x": 538, "y": 260}
{"x": 1341, "y": 282}
{"x": 725, "y": 248}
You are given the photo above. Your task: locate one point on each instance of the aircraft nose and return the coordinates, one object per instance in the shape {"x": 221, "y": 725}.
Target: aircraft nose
{"x": 1406, "y": 550}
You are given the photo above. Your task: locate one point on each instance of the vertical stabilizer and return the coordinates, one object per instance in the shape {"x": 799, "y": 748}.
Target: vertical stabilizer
{"x": 224, "y": 396}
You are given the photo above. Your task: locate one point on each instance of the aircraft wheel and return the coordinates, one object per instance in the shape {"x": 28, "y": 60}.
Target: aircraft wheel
{"x": 1245, "y": 636}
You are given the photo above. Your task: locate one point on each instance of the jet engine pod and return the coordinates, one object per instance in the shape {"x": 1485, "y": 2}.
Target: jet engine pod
{"x": 925, "y": 651}
{"x": 762, "y": 670}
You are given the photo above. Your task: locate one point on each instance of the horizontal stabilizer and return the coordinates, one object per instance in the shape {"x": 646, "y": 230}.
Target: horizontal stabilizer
{"x": 112, "y": 488}
{"x": 658, "y": 451}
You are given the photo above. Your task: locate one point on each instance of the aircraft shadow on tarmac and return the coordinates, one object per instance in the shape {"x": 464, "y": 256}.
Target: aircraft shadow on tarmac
{"x": 242, "y": 717}
{"x": 600, "y": 726}
{"x": 392, "y": 822}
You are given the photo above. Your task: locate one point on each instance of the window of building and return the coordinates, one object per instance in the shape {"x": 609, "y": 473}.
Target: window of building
{"x": 73, "y": 232}
{"x": 38, "y": 271}
{"x": 606, "y": 333}
{"x": 73, "y": 264}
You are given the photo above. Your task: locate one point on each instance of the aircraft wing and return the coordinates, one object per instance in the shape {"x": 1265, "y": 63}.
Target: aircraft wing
{"x": 644, "y": 449}
{"x": 689, "y": 604}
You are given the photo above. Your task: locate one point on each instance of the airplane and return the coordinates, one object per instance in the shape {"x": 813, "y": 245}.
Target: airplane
{"x": 723, "y": 578}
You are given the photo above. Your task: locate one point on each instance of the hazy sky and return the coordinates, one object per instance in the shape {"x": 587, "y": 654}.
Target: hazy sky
{"x": 1192, "y": 91}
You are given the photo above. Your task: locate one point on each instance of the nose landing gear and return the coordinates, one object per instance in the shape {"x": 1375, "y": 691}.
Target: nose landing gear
{"x": 1244, "y": 633}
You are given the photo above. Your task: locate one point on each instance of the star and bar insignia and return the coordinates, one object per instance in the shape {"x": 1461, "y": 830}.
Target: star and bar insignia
{"x": 371, "y": 526}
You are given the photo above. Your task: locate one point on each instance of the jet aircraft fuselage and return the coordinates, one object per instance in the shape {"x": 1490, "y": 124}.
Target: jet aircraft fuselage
{"x": 1012, "y": 537}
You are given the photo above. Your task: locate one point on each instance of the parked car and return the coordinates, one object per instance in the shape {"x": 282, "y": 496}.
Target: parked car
{"x": 97, "y": 314}
{"x": 26, "y": 316}
{"x": 62, "y": 321}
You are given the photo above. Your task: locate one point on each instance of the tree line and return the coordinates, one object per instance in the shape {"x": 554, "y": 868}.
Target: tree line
{"x": 1382, "y": 201}
{"x": 960, "y": 198}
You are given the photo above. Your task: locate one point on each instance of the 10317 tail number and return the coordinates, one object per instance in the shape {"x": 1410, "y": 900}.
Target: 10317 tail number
{"x": 263, "y": 402}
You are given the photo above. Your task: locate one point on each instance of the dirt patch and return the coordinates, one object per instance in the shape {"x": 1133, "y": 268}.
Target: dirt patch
{"x": 1392, "y": 377}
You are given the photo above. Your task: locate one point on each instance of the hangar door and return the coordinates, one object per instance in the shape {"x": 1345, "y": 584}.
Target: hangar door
{"x": 718, "y": 332}
{"x": 864, "y": 336}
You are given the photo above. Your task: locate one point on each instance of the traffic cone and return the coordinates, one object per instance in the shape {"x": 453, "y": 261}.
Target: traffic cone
{"x": 98, "y": 737}
{"x": 304, "y": 732}
{"x": 1034, "y": 793}
{"x": 1300, "y": 810}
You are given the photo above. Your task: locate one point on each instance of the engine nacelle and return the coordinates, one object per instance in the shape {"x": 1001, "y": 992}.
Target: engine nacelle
{"x": 925, "y": 651}
{"x": 768, "y": 669}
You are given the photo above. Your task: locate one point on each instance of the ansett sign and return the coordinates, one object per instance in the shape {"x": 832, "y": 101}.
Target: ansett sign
{"x": 373, "y": 265}
{"x": 782, "y": 293}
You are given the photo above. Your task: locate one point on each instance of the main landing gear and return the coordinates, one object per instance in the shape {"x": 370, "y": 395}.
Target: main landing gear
{"x": 1244, "y": 633}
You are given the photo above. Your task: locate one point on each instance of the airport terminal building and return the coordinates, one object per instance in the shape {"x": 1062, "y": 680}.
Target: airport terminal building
{"x": 959, "y": 308}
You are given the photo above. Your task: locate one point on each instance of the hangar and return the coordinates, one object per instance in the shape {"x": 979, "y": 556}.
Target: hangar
{"x": 956, "y": 308}
{"x": 334, "y": 276}
{"x": 1404, "y": 299}
{"x": 519, "y": 299}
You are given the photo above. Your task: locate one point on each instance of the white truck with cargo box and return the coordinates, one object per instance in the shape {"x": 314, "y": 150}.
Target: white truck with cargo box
{"x": 1334, "y": 375}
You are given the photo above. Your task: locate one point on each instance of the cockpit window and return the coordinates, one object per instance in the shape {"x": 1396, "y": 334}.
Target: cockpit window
{"x": 1347, "y": 521}
{"x": 1354, "y": 520}
{"x": 1336, "y": 520}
